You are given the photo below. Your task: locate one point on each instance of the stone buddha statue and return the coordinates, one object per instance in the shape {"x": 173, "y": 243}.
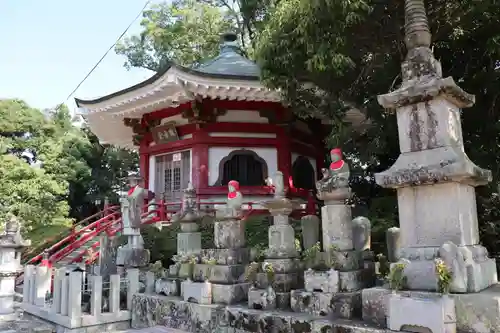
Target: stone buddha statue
{"x": 336, "y": 176}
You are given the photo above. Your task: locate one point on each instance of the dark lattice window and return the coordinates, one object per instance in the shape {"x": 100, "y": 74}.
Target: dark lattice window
{"x": 303, "y": 174}
{"x": 247, "y": 169}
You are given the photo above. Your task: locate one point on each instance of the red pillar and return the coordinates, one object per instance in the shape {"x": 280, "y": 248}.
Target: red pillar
{"x": 284, "y": 155}
{"x": 144, "y": 161}
{"x": 199, "y": 160}
{"x": 144, "y": 168}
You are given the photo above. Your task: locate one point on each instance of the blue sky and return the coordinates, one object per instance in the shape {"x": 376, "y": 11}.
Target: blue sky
{"x": 47, "y": 48}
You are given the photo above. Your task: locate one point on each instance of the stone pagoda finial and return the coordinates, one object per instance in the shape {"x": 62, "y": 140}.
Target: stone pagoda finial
{"x": 417, "y": 33}
{"x": 420, "y": 63}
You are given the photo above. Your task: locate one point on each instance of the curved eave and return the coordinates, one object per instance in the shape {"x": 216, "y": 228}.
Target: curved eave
{"x": 159, "y": 75}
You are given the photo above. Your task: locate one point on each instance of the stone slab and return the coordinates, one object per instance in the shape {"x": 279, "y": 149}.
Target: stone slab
{"x": 244, "y": 320}
{"x": 228, "y": 256}
{"x": 229, "y": 293}
{"x": 351, "y": 281}
{"x": 337, "y": 227}
{"x": 229, "y": 234}
{"x": 340, "y": 305}
{"x": 284, "y": 265}
{"x": 476, "y": 313}
{"x": 188, "y": 243}
{"x": 150, "y": 311}
{"x": 282, "y": 282}
{"x": 173, "y": 312}
{"x": 474, "y": 271}
{"x": 262, "y": 299}
{"x": 219, "y": 273}
{"x": 196, "y": 292}
{"x": 132, "y": 257}
{"x": 435, "y": 313}
{"x": 168, "y": 286}
{"x": 322, "y": 281}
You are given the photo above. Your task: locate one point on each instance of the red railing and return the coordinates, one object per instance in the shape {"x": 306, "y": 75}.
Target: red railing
{"x": 65, "y": 238}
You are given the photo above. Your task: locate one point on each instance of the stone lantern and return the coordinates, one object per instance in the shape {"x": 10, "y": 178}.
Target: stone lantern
{"x": 11, "y": 246}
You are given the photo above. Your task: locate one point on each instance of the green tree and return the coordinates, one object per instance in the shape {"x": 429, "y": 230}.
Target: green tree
{"x": 186, "y": 31}
{"x": 328, "y": 56}
{"x": 52, "y": 170}
{"x": 28, "y": 191}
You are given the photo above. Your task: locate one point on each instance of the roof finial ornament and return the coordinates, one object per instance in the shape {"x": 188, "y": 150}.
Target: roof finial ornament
{"x": 420, "y": 63}
{"x": 417, "y": 33}
{"x": 229, "y": 42}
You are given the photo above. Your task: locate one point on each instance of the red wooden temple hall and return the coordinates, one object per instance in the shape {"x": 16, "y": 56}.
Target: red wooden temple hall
{"x": 209, "y": 125}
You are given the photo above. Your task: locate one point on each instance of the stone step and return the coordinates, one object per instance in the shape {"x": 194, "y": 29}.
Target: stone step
{"x": 346, "y": 305}
{"x": 244, "y": 320}
{"x": 217, "y": 318}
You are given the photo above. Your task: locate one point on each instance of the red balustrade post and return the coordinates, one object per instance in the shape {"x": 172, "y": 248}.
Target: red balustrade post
{"x": 162, "y": 211}
{"x": 73, "y": 234}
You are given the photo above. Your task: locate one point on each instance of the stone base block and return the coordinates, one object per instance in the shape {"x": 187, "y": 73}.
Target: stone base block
{"x": 173, "y": 312}
{"x": 476, "y": 313}
{"x": 188, "y": 242}
{"x": 283, "y": 282}
{"x": 155, "y": 310}
{"x": 240, "y": 319}
{"x": 340, "y": 305}
{"x": 218, "y": 273}
{"x": 132, "y": 257}
{"x": 473, "y": 270}
{"x": 196, "y": 292}
{"x": 345, "y": 260}
{"x": 281, "y": 242}
{"x": 284, "y": 265}
{"x": 282, "y": 300}
{"x": 327, "y": 281}
{"x": 228, "y": 256}
{"x": 168, "y": 287}
{"x": 229, "y": 234}
{"x": 262, "y": 299}
{"x": 229, "y": 293}
{"x": 436, "y": 313}
{"x": 186, "y": 271}
{"x": 351, "y": 281}
{"x": 173, "y": 270}
{"x": 369, "y": 275}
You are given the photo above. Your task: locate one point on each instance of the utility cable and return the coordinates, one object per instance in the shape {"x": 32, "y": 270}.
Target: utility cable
{"x": 104, "y": 55}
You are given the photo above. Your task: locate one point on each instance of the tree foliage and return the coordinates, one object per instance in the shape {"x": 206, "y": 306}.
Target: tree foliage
{"x": 348, "y": 52}
{"x": 184, "y": 31}
{"x": 329, "y": 56}
{"x": 51, "y": 170}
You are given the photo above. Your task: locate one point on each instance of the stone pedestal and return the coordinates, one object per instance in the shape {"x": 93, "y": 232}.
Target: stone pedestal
{"x": 11, "y": 246}
{"x": 281, "y": 255}
{"x": 310, "y": 230}
{"x": 225, "y": 265}
{"x": 347, "y": 276}
{"x": 434, "y": 314}
{"x": 189, "y": 239}
{"x": 188, "y": 249}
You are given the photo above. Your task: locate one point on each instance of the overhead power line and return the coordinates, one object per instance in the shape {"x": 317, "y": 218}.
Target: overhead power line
{"x": 104, "y": 55}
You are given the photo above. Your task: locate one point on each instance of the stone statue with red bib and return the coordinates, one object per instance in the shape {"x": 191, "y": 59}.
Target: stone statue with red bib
{"x": 336, "y": 176}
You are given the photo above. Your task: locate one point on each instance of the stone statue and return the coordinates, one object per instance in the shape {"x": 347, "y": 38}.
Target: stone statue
{"x": 132, "y": 203}
{"x": 455, "y": 260}
{"x": 234, "y": 197}
{"x": 188, "y": 210}
{"x": 361, "y": 233}
{"x": 336, "y": 176}
{"x": 278, "y": 184}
